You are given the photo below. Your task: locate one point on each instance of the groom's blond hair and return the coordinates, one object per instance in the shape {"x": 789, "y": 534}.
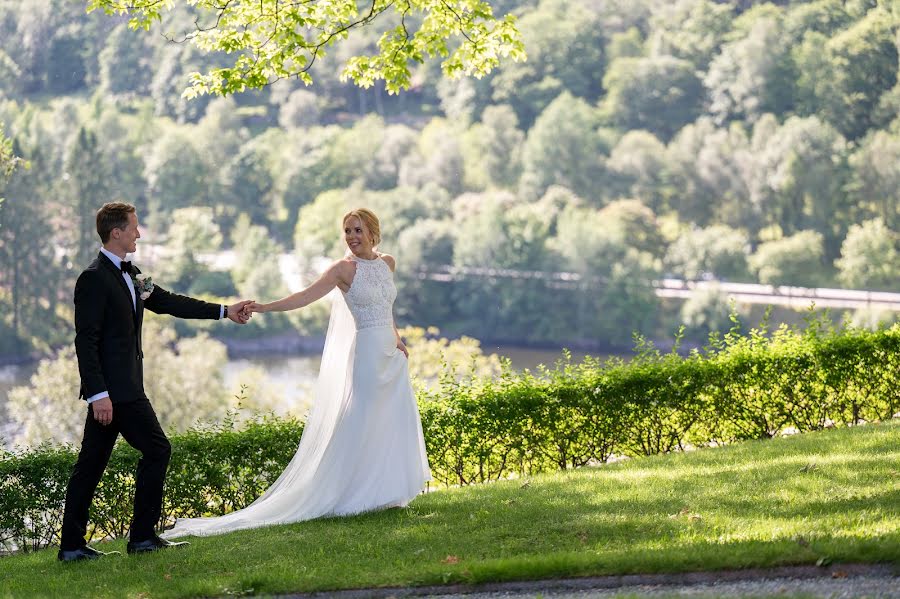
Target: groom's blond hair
{"x": 368, "y": 218}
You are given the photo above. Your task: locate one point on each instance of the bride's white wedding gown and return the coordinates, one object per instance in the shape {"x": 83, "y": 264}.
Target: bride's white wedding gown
{"x": 362, "y": 448}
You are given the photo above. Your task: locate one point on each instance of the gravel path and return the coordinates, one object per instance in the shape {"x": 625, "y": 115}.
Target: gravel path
{"x": 838, "y": 581}
{"x": 872, "y": 587}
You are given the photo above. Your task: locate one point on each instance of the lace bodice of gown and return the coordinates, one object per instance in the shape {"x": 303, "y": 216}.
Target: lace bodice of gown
{"x": 372, "y": 294}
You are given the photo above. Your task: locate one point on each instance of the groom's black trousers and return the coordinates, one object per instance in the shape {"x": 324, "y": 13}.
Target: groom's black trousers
{"x": 137, "y": 423}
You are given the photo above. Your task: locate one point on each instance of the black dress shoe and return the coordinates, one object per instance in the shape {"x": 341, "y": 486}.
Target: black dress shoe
{"x": 153, "y": 544}
{"x": 79, "y": 554}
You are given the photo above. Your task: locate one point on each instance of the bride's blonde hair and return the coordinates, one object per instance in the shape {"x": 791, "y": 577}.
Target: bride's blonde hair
{"x": 368, "y": 218}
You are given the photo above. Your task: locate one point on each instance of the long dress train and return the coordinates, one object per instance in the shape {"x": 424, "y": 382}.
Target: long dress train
{"x": 362, "y": 448}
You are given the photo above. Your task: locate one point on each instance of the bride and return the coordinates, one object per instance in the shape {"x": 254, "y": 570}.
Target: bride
{"x": 362, "y": 448}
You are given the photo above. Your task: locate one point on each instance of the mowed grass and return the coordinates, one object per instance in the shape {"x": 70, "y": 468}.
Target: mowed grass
{"x": 825, "y": 497}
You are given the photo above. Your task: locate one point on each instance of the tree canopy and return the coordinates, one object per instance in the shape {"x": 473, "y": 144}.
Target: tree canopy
{"x": 747, "y": 141}
{"x": 278, "y": 39}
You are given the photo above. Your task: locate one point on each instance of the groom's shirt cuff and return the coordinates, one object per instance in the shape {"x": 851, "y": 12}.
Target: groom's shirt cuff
{"x": 221, "y": 311}
{"x": 100, "y": 395}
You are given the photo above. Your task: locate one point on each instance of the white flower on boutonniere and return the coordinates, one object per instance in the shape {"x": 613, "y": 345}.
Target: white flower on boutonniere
{"x": 143, "y": 284}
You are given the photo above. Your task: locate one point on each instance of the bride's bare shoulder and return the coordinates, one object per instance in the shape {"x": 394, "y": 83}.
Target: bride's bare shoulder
{"x": 343, "y": 269}
{"x": 341, "y": 273}
{"x": 392, "y": 264}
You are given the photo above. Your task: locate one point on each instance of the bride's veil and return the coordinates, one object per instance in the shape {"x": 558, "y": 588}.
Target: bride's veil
{"x": 294, "y": 496}
{"x": 329, "y": 399}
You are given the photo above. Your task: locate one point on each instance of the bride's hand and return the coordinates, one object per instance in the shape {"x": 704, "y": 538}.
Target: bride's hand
{"x": 257, "y": 307}
{"x": 402, "y": 347}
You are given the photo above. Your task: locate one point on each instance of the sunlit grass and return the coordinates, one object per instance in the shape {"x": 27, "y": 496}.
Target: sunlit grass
{"x": 830, "y": 496}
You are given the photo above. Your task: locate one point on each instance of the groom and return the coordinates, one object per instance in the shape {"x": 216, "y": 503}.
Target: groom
{"x": 109, "y": 308}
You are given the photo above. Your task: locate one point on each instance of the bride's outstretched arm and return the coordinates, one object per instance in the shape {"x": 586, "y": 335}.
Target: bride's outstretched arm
{"x": 325, "y": 283}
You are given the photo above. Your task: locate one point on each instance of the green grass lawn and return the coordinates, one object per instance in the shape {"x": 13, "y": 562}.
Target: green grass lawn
{"x": 831, "y": 496}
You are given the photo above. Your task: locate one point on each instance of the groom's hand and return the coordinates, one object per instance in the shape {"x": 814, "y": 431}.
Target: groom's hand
{"x": 102, "y": 409}
{"x": 239, "y": 313}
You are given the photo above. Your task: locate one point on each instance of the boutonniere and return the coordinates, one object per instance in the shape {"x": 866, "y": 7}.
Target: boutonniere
{"x": 143, "y": 285}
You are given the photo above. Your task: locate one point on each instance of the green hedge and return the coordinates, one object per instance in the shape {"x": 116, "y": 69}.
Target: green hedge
{"x": 212, "y": 471}
{"x": 739, "y": 387}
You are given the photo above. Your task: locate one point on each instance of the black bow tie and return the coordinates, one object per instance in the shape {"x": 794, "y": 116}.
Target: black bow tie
{"x": 126, "y": 267}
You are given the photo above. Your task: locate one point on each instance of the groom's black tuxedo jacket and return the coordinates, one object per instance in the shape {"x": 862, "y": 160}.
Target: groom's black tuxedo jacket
{"x": 108, "y": 329}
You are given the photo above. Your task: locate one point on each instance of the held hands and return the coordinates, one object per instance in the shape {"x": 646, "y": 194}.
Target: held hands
{"x": 255, "y": 307}
{"x": 240, "y": 312}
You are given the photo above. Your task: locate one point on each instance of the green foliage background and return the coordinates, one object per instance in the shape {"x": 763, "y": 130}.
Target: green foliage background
{"x": 742, "y": 141}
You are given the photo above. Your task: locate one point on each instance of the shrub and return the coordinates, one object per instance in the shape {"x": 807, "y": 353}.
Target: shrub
{"x": 212, "y": 471}
{"x": 739, "y": 387}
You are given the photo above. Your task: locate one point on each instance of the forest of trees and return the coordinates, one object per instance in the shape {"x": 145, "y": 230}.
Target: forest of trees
{"x": 735, "y": 140}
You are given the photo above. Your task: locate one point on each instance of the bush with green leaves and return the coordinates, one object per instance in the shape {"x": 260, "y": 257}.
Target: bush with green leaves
{"x": 212, "y": 471}
{"x": 738, "y": 387}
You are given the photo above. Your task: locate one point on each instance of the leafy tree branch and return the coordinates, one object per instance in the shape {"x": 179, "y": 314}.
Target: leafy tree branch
{"x": 279, "y": 39}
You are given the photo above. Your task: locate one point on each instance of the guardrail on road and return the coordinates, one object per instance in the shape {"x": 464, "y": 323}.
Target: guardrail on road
{"x": 783, "y": 295}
